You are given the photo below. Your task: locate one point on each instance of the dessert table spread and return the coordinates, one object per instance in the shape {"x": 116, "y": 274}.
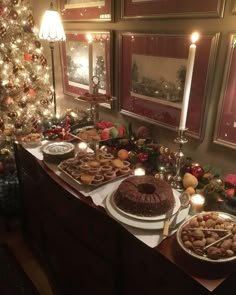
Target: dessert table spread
{"x": 148, "y": 232}
{"x": 213, "y": 278}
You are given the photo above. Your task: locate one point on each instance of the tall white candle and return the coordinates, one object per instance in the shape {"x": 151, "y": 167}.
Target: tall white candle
{"x": 90, "y": 61}
{"x": 188, "y": 81}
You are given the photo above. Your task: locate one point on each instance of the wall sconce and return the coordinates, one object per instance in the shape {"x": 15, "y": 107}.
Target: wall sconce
{"x": 52, "y": 30}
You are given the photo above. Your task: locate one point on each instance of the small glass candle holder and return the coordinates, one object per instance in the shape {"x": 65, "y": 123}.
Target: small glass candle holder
{"x": 82, "y": 147}
{"x": 197, "y": 202}
{"x": 139, "y": 171}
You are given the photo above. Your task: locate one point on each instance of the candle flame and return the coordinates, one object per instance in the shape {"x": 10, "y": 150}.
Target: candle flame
{"x": 195, "y": 37}
{"x": 89, "y": 37}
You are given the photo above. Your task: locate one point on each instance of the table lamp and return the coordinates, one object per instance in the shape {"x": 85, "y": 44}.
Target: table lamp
{"x": 51, "y": 29}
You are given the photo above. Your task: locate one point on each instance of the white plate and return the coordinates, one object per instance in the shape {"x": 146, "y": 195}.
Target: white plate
{"x": 157, "y": 217}
{"x": 144, "y": 224}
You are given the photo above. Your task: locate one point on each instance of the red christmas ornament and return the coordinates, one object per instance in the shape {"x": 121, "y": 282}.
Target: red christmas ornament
{"x": 28, "y": 56}
{"x": 197, "y": 170}
{"x": 31, "y": 92}
{"x": 143, "y": 157}
{"x": 1, "y": 10}
{"x": 8, "y": 100}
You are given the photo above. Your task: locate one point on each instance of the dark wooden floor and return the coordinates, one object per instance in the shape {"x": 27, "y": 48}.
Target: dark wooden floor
{"x": 29, "y": 263}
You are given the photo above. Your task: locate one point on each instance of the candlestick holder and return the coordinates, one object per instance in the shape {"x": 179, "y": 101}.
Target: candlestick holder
{"x": 177, "y": 181}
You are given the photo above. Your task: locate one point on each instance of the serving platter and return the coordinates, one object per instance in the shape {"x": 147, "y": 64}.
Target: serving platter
{"x": 117, "y": 177}
{"x": 223, "y": 224}
{"x": 112, "y": 210}
{"x": 156, "y": 217}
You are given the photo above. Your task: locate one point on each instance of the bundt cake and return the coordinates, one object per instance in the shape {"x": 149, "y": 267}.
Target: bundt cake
{"x": 144, "y": 196}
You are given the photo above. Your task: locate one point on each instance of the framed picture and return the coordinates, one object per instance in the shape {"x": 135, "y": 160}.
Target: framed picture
{"x": 79, "y": 57}
{"x": 172, "y": 8}
{"x": 225, "y": 130}
{"x": 234, "y": 7}
{"x": 86, "y": 10}
{"x": 153, "y": 68}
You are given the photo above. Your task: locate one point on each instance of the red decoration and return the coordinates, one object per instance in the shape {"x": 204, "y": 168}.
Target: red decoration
{"x": 28, "y": 56}
{"x": 197, "y": 170}
{"x": 143, "y": 157}
{"x": 32, "y": 92}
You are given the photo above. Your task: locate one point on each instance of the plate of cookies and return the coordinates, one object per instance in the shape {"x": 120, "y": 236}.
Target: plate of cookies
{"x": 87, "y": 169}
{"x": 209, "y": 236}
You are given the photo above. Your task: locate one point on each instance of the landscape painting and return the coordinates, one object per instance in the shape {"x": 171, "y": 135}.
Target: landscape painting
{"x": 158, "y": 79}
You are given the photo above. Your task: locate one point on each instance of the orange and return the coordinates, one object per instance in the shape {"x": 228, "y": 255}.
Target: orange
{"x": 123, "y": 154}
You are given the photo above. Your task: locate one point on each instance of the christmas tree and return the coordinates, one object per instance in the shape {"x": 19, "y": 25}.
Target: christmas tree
{"x": 25, "y": 93}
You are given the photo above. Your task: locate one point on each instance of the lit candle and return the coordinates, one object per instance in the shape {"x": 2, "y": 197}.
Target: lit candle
{"x": 82, "y": 146}
{"x": 188, "y": 81}
{"x": 197, "y": 202}
{"x": 139, "y": 172}
{"x": 90, "y": 61}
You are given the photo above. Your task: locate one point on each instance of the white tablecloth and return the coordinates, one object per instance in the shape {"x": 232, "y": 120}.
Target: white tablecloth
{"x": 98, "y": 195}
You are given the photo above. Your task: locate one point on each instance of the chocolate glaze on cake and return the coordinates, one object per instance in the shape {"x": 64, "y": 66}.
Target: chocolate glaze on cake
{"x": 144, "y": 196}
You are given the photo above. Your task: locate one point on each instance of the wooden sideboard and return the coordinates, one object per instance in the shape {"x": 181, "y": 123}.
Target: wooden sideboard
{"x": 88, "y": 252}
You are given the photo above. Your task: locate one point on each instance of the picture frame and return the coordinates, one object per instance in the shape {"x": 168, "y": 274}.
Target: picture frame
{"x": 225, "y": 127}
{"x": 86, "y": 10}
{"x": 75, "y": 61}
{"x": 234, "y": 7}
{"x": 171, "y": 8}
{"x": 148, "y": 91}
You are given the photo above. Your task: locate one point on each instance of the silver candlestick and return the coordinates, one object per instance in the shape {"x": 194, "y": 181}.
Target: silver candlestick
{"x": 177, "y": 181}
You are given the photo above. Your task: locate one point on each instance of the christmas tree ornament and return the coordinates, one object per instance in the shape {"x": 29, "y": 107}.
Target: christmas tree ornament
{"x": 33, "y": 77}
{"x": 35, "y": 57}
{"x": 14, "y": 14}
{"x": 132, "y": 156}
{"x": 3, "y": 30}
{"x": 22, "y": 104}
{"x": 15, "y": 70}
{"x": 1, "y": 122}
{"x": 31, "y": 92}
{"x": 1, "y": 10}
{"x": 43, "y": 60}
{"x": 44, "y": 102}
{"x": 12, "y": 115}
{"x": 26, "y": 88}
{"x": 18, "y": 124}
{"x": 6, "y": 58}
{"x": 27, "y": 56}
{"x": 143, "y": 157}
{"x": 197, "y": 170}
{"x": 8, "y": 100}
{"x": 37, "y": 44}
{"x": 30, "y": 20}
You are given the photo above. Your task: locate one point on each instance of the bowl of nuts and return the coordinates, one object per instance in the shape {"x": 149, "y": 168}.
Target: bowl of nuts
{"x": 209, "y": 236}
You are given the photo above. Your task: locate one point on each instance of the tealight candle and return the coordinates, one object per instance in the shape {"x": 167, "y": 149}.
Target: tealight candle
{"x": 197, "y": 202}
{"x": 82, "y": 146}
{"x": 139, "y": 172}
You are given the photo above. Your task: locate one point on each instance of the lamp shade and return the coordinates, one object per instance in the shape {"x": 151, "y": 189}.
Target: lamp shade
{"x": 51, "y": 28}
